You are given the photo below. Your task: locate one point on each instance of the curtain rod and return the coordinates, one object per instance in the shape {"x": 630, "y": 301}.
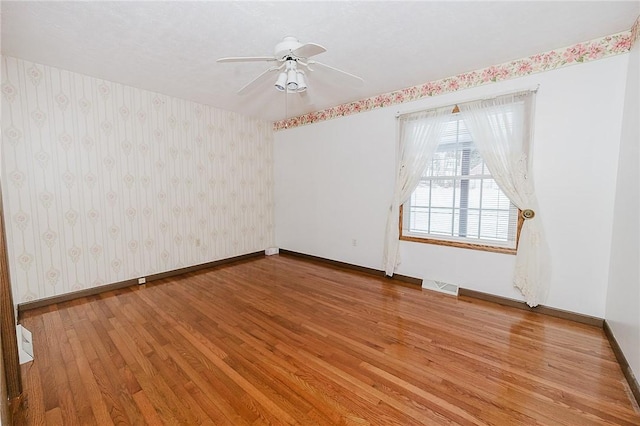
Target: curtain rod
{"x": 454, "y": 105}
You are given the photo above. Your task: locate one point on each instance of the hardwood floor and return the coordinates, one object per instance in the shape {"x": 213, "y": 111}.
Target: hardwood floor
{"x": 280, "y": 340}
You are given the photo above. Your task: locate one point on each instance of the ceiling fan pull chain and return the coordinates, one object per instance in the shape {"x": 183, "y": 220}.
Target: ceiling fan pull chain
{"x": 286, "y": 113}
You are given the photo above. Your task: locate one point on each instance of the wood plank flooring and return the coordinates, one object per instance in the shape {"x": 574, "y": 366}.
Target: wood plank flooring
{"x": 281, "y": 340}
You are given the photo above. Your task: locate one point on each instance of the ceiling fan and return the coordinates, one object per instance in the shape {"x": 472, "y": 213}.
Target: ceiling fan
{"x": 293, "y": 63}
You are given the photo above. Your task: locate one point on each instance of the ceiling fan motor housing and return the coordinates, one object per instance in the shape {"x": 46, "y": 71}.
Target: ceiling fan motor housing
{"x": 284, "y": 48}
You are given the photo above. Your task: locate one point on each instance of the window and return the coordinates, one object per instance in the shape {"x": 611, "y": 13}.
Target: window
{"x": 457, "y": 202}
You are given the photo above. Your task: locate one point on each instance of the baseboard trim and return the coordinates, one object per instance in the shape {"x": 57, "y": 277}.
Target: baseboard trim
{"x": 352, "y": 267}
{"x": 624, "y": 364}
{"x": 541, "y": 309}
{"x": 26, "y": 306}
{"x": 554, "y": 312}
{"x": 22, "y": 307}
{"x": 207, "y": 265}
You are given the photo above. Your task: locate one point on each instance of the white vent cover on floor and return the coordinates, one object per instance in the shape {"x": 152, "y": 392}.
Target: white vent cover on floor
{"x": 25, "y": 344}
{"x": 440, "y": 286}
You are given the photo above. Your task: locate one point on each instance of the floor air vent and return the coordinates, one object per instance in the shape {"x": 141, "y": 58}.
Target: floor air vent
{"x": 440, "y": 286}
{"x": 25, "y": 344}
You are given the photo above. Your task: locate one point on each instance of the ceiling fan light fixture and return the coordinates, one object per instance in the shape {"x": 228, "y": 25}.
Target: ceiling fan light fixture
{"x": 281, "y": 83}
{"x": 292, "y": 80}
{"x": 290, "y": 54}
{"x": 302, "y": 82}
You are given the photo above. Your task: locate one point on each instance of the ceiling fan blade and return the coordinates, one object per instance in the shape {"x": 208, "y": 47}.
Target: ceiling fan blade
{"x": 348, "y": 78}
{"x": 308, "y": 50}
{"x": 257, "y": 79}
{"x": 247, "y": 59}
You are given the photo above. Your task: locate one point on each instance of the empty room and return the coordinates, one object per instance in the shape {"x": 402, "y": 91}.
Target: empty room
{"x": 320, "y": 212}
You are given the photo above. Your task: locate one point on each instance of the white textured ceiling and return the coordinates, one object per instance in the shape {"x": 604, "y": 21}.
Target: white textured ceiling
{"x": 172, "y": 47}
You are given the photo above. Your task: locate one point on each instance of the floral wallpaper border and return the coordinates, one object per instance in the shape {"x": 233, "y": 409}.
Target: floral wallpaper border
{"x": 578, "y": 53}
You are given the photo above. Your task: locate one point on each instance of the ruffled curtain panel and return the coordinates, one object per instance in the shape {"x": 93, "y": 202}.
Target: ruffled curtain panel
{"x": 419, "y": 135}
{"x": 502, "y": 129}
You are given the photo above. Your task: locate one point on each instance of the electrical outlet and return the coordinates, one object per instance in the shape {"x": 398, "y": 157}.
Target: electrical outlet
{"x": 354, "y": 242}
{"x": 142, "y": 280}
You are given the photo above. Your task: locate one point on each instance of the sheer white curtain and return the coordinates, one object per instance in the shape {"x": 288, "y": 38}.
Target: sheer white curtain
{"x": 420, "y": 134}
{"x": 502, "y": 129}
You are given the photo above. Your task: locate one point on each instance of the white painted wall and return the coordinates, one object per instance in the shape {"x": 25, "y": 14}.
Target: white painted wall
{"x": 334, "y": 182}
{"x": 623, "y": 296}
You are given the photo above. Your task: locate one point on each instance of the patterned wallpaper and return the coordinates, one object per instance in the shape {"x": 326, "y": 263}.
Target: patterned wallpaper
{"x": 104, "y": 182}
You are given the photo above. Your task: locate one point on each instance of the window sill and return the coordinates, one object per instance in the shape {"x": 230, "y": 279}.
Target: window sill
{"x": 459, "y": 244}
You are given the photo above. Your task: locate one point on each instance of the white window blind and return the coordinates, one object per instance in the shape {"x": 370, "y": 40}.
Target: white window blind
{"x": 457, "y": 199}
